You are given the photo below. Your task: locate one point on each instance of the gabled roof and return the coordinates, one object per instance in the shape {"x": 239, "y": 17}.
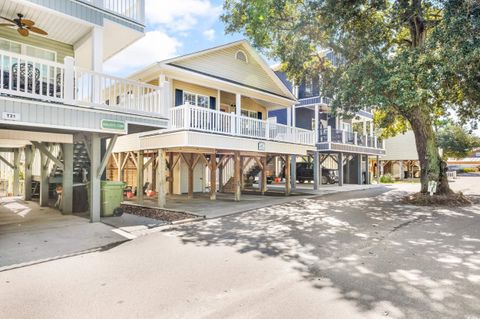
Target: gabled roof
{"x": 214, "y": 62}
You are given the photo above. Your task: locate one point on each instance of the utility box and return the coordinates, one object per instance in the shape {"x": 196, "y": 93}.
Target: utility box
{"x": 111, "y": 197}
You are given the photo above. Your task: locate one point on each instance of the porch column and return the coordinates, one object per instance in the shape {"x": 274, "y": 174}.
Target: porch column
{"x": 293, "y": 171}
{"x": 378, "y": 169}
{"x": 237, "y": 186}
{"x": 67, "y": 179}
{"x": 43, "y": 180}
{"x": 289, "y": 116}
{"x": 294, "y": 119}
{"x": 27, "y": 184}
{"x": 213, "y": 176}
{"x": 288, "y": 188}
{"x": 140, "y": 176}
{"x": 320, "y": 174}
{"x": 161, "y": 181}
{"x": 16, "y": 172}
{"x": 220, "y": 178}
{"x": 316, "y": 163}
{"x": 340, "y": 169}
{"x": 381, "y": 168}
{"x": 359, "y": 169}
{"x": 95, "y": 162}
{"x": 263, "y": 182}
{"x": 238, "y": 111}
{"x": 242, "y": 176}
{"x": 120, "y": 172}
{"x": 153, "y": 171}
{"x": 97, "y": 60}
{"x": 367, "y": 171}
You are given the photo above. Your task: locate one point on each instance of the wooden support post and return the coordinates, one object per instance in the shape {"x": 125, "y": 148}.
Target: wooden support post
{"x": 95, "y": 177}
{"x": 347, "y": 169}
{"x": 153, "y": 171}
{"x": 316, "y": 163}
{"x": 170, "y": 172}
{"x": 288, "y": 176}
{"x": 140, "y": 176}
{"x": 220, "y": 176}
{"x": 378, "y": 169}
{"x": 213, "y": 176}
{"x": 161, "y": 180}
{"x": 120, "y": 167}
{"x": 359, "y": 169}
{"x": 293, "y": 170}
{"x": 67, "y": 179}
{"x": 190, "y": 176}
{"x": 367, "y": 171}
{"x": 242, "y": 176}
{"x": 263, "y": 182}
{"x": 43, "y": 180}
{"x": 16, "y": 172}
{"x": 237, "y": 175}
{"x": 27, "y": 184}
{"x": 340, "y": 169}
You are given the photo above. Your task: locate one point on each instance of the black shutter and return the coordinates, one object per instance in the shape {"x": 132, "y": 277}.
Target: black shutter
{"x": 178, "y": 97}
{"x": 259, "y": 115}
{"x": 213, "y": 103}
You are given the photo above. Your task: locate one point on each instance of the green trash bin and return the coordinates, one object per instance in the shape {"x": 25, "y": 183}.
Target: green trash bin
{"x": 111, "y": 196}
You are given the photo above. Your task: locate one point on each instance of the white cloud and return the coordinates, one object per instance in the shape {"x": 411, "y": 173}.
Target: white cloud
{"x": 153, "y": 47}
{"x": 209, "y": 34}
{"x": 180, "y": 15}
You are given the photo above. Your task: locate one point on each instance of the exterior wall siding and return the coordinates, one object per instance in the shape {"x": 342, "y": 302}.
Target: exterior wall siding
{"x": 222, "y": 63}
{"x": 86, "y": 12}
{"x": 401, "y": 147}
{"x": 67, "y": 117}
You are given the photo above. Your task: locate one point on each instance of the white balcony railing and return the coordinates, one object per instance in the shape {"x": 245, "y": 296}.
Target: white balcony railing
{"x": 42, "y": 80}
{"x": 329, "y": 135}
{"x": 131, "y": 9}
{"x": 213, "y": 121}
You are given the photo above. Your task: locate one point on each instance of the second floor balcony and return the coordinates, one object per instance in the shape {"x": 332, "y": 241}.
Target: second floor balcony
{"x": 131, "y": 9}
{"x": 340, "y": 140}
{"x": 189, "y": 117}
{"x": 46, "y": 81}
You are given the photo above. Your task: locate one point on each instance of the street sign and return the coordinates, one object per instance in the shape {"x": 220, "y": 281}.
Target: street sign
{"x": 432, "y": 187}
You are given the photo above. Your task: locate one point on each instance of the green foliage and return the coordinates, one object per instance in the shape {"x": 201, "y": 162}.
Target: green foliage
{"x": 469, "y": 170}
{"x": 387, "y": 179}
{"x": 413, "y": 61}
{"x": 456, "y": 141}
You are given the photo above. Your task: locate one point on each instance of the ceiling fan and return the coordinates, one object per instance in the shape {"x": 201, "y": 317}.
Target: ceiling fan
{"x": 24, "y": 26}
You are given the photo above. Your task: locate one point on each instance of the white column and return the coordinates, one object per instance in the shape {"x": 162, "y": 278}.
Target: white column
{"x": 238, "y": 110}
{"x": 69, "y": 79}
{"x": 67, "y": 179}
{"x": 289, "y": 116}
{"x": 364, "y": 123}
{"x": 294, "y": 119}
{"x": 340, "y": 169}
{"x": 218, "y": 99}
{"x": 97, "y": 61}
{"x": 95, "y": 162}
{"x": 317, "y": 125}
{"x": 367, "y": 171}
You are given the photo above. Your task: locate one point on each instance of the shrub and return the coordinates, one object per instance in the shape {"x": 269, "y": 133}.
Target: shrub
{"x": 470, "y": 170}
{"x": 387, "y": 179}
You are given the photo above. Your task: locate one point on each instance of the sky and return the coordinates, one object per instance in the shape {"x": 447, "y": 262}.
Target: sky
{"x": 173, "y": 27}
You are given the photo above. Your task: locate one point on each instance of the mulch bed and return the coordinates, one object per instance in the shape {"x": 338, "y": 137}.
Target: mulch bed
{"x": 451, "y": 200}
{"x": 156, "y": 213}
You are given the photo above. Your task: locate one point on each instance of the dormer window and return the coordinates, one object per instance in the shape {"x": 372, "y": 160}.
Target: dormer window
{"x": 241, "y": 56}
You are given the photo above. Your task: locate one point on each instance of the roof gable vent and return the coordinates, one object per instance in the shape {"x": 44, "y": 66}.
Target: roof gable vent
{"x": 241, "y": 56}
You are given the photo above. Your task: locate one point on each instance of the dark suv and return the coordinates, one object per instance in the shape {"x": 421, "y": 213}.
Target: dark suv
{"x": 305, "y": 174}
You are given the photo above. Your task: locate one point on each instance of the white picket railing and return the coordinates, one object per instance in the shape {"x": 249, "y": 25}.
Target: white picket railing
{"x": 92, "y": 88}
{"x": 30, "y": 77}
{"x": 330, "y": 135}
{"x": 213, "y": 121}
{"x": 131, "y": 9}
{"x": 24, "y": 76}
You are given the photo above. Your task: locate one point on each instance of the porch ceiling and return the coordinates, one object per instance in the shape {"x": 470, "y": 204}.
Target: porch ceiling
{"x": 59, "y": 27}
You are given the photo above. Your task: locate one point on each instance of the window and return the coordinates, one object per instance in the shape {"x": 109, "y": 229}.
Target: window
{"x": 241, "y": 56}
{"x": 29, "y": 50}
{"x": 308, "y": 87}
{"x": 346, "y": 127}
{"x": 248, "y": 113}
{"x": 196, "y": 99}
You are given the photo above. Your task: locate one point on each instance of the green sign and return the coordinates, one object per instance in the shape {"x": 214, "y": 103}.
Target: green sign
{"x": 113, "y": 125}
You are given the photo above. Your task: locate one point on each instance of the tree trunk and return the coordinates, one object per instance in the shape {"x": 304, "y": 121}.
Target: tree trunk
{"x": 432, "y": 167}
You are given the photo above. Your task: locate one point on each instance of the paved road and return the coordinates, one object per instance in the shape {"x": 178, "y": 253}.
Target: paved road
{"x": 365, "y": 255}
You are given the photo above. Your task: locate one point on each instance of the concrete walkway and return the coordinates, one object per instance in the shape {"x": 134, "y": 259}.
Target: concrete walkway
{"x": 29, "y": 233}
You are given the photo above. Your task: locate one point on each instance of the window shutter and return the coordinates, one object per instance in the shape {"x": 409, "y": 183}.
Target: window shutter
{"x": 178, "y": 97}
{"x": 213, "y": 103}
{"x": 259, "y": 115}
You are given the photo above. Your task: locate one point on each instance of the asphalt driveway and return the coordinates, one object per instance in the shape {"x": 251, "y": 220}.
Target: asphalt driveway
{"x": 361, "y": 255}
